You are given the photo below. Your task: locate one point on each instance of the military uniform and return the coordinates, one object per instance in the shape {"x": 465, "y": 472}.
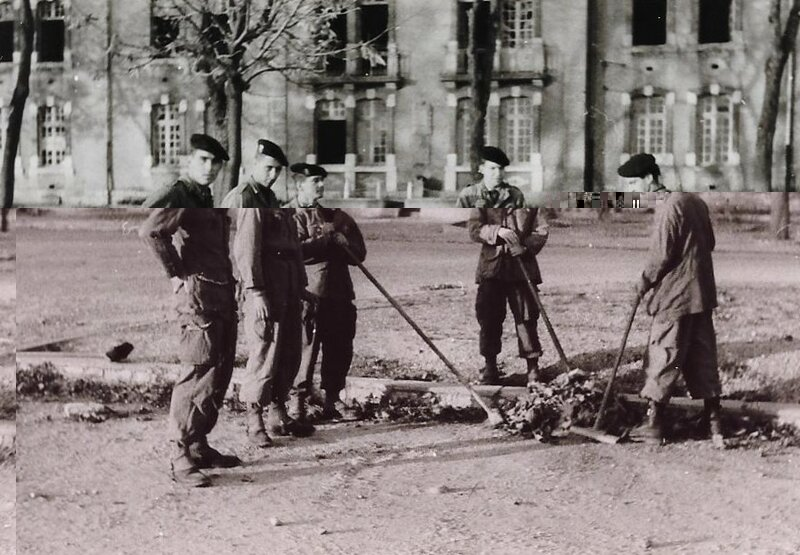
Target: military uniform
{"x": 184, "y": 193}
{"x": 500, "y": 279}
{"x": 478, "y": 196}
{"x": 681, "y": 273}
{"x": 270, "y": 263}
{"x": 250, "y": 194}
{"x": 334, "y": 316}
{"x": 193, "y": 244}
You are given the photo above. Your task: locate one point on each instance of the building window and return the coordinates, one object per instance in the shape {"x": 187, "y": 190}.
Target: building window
{"x": 649, "y": 22}
{"x": 519, "y": 23}
{"x": 715, "y": 128}
{"x": 336, "y": 64}
{"x": 3, "y": 127}
{"x": 52, "y": 135}
{"x": 6, "y": 32}
{"x": 463, "y": 130}
{"x": 331, "y": 132}
{"x": 168, "y": 134}
{"x": 164, "y": 29}
{"x": 371, "y": 131}
{"x": 516, "y": 128}
{"x": 715, "y": 21}
{"x": 462, "y": 31}
{"x": 374, "y": 24}
{"x": 650, "y": 125}
{"x": 51, "y": 31}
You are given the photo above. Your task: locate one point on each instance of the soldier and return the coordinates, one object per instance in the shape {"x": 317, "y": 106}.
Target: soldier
{"x": 202, "y": 277}
{"x": 491, "y": 191}
{"x": 330, "y": 316}
{"x": 193, "y": 190}
{"x": 270, "y": 262}
{"x": 257, "y": 191}
{"x": 510, "y": 234}
{"x": 680, "y": 272}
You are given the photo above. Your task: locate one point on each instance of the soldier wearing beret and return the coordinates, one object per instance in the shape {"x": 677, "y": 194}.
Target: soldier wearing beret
{"x": 491, "y": 191}
{"x": 641, "y": 174}
{"x": 329, "y": 320}
{"x": 508, "y": 233}
{"x": 198, "y": 263}
{"x": 680, "y": 273}
{"x": 256, "y": 191}
{"x": 270, "y": 262}
{"x": 193, "y": 189}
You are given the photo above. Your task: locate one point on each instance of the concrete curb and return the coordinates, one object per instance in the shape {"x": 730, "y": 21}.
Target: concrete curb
{"x": 90, "y": 367}
{"x": 76, "y": 366}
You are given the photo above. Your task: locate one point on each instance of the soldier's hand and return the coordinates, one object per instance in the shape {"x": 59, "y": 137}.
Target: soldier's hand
{"x": 261, "y": 307}
{"x": 310, "y": 297}
{"x": 509, "y": 236}
{"x": 517, "y": 250}
{"x": 328, "y": 229}
{"x": 340, "y": 240}
{"x": 641, "y": 288}
{"x": 177, "y": 283}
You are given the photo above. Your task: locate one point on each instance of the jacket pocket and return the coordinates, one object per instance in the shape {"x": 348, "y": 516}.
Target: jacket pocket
{"x": 199, "y": 343}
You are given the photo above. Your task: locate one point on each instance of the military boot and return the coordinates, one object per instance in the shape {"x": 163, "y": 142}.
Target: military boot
{"x": 280, "y": 424}
{"x": 256, "y": 433}
{"x": 651, "y": 430}
{"x": 534, "y": 377}
{"x": 489, "y": 374}
{"x": 713, "y": 413}
{"x": 206, "y": 456}
{"x": 185, "y": 470}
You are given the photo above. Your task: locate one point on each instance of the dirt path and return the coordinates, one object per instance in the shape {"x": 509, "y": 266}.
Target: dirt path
{"x": 104, "y": 489}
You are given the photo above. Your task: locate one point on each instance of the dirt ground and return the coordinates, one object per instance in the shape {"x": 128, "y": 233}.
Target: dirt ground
{"x": 369, "y": 488}
{"x": 387, "y": 488}
{"x": 7, "y": 388}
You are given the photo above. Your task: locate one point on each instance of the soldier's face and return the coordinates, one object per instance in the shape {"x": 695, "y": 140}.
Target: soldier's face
{"x": 311, "y": 189}
{"x": 638, "y": 184}
{"x": 492, "y": 174}
{"x": 204, "y": 167}
{"x": 266, "y": 170}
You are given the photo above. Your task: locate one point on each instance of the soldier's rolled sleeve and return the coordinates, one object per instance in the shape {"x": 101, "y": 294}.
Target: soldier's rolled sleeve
{"x": 357, "y": 245}
{"x": 157, "y": 230}
{"x": 247, "y": 247}
{"x": 663, "y": 255}
{"x": 480, "y": 231}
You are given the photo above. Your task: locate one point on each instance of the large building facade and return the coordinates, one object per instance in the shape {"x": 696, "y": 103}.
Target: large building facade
{"x": 683, "y": 79}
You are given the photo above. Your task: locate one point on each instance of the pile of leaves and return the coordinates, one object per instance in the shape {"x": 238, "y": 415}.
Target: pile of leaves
{"x": 46, "y": 382}
{"x": 548, "y": 410}
{"x": 414, "y": 408}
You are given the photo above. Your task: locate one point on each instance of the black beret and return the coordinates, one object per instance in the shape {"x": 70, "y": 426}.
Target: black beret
{"x": 309, "y": 170}
{"x": 494, "y": 154}
{"x": 640, "y": 165}
{"x": 209, "y": 144}
{"x": 268, "y": 148}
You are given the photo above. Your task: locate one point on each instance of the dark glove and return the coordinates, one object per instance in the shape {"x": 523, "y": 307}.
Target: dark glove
{"x": 341, "y": 240}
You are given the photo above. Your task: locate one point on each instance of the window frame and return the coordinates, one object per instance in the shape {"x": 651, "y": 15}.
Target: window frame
{"x": 515, "y": 138}
{"x": 58, "y": 13}
{"x": 648, "y": 117}
{"x": 172, "y": 154}
{"x": 48, "y": 155}
{"x": 377, "y": 132}
{"x": 708, "y": 121}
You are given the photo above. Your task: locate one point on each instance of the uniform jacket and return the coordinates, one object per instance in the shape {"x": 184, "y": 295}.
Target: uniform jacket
{"x": 250, "y": 194}
{"x": 184, "y": 193}
{"x": 268, "y": 252}
{"x": 478, "y": 196}
{"x": 495, "y": 262}
{"x": 679, "y": 266}
{"x": 327, "y": 264}
{"x": 193, "y": 244}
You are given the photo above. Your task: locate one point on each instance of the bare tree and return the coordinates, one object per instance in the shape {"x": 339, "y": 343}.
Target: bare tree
{"x": 484, "y": 28}
{"x": 781, "y": 43}
{"x": 232, "y": 44}
{"x": 18, "y": 100}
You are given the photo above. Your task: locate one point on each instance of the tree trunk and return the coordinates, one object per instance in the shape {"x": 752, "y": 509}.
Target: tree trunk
{"x": 481, "y": 67}
{"x": 18, "y": 100}
{"x": 217, "y": 116}
{"x": 782, "y": 41}
{"x": 235, "y": 92}
{"x": 109, "y": 103}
